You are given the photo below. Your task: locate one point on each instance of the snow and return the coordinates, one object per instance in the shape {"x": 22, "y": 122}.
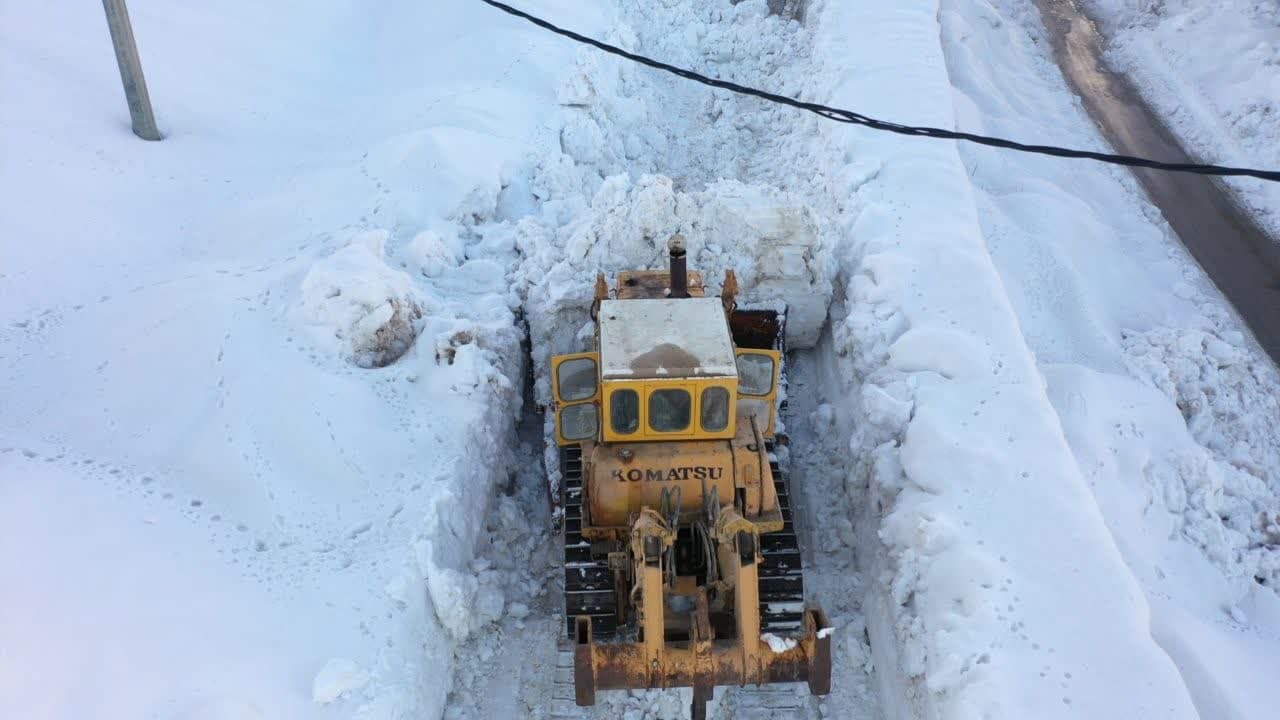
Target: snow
{"x": 778, "y": 644}
{"x": 355, "y": 305}
{"x": 649, "y": 338}
{"x": 1163, "y": 401}
{"x": 338, "y": 677}
{"x": 1212, "y": 71}
{"x": 269, "y": 451}
{"x": 972, "y": 611}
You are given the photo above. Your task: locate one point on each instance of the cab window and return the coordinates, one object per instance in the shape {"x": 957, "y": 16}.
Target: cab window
{"x": 576, "y": 379}
{"x": 578, "y": 422}
{"x": 755, "y": 374}
{"x": 624, "y": 411}
{"x": 714, "y": 409}
{"x": 670, "y": 410}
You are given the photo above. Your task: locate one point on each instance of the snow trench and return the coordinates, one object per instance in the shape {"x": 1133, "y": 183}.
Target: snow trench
{"x": 950, "y": 528}
{"x": 956, "y": 462}
{"x": 632, "y": 158}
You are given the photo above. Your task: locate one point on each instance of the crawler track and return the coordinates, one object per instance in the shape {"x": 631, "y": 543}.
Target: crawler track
{"x": 588, "y": 582}
{"x": 781, "y": 570}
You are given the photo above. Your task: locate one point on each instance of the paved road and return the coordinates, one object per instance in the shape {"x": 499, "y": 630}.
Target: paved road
{"x": 1239, "y": 257}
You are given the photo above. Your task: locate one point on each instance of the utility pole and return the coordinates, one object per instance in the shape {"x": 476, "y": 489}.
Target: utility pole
{"x": 135, "y": 86}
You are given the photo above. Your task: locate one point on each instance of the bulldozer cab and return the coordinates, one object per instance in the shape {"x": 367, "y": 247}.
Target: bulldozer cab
{"x": 666, "y": 370}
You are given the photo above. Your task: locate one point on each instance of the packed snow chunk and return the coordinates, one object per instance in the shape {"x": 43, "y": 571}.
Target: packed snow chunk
{"x": 489, "y": 601}
{"x": 779, "y": 234}
{"x": 889, "y": 406}
{"x": 430, "y": 253}
{"x": 452, "y": 596}
{"x": 338, "y": 677}
{"x": 464, "y": 600}
{"x": 778, "y": 644}
{"x": 357, "y": 306}
{"x": 398, "y": 589}
{"x": 628, "y": 225}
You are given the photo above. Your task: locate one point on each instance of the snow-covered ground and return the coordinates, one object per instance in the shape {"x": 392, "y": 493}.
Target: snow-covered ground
{"x": 1212, "y": 71}
{"x": 266, "y": 448}
{"x": 205, "y": 493}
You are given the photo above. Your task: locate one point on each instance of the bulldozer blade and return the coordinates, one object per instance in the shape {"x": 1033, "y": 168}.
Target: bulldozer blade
{"x": 701, "y": 665}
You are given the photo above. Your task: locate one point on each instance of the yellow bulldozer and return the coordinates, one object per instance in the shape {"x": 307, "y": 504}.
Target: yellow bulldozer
{"x": 682, "y": 567}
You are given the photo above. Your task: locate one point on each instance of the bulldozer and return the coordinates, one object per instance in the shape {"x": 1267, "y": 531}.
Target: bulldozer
{"x": 681, "y": 562}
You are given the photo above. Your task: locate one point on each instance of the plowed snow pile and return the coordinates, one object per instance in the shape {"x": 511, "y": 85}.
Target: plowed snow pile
{"x": 266, "y": 449}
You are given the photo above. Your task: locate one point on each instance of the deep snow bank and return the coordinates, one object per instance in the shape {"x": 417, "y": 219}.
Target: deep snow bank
{"x": 1166, "y": 404}
{"x": 1002, "y": 593}
{"x": 1098, "y": 280}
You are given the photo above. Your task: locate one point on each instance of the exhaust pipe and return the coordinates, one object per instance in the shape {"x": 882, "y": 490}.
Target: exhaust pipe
{"x": 679, "y": 274}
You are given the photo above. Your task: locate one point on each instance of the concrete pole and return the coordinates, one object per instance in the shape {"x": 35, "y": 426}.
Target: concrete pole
{"x": 135, "y": 86}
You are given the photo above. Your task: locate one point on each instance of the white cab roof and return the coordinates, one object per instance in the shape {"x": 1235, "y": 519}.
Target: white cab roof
{"x": 688, "y": 337}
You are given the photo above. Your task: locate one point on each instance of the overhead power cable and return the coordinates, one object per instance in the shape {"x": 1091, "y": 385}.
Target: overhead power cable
{"x": 853, "y": 118}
